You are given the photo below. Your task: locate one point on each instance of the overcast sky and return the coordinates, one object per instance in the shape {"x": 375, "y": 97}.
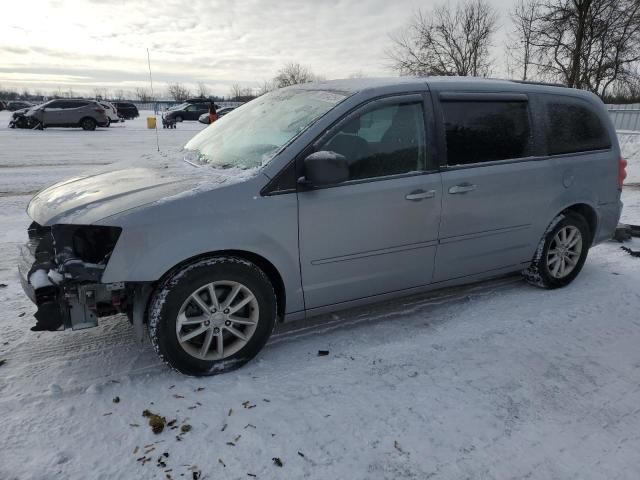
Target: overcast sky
{"x": 84, "y": 44}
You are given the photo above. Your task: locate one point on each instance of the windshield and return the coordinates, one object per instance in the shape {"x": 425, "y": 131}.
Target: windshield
{"x": 251, "y": 135}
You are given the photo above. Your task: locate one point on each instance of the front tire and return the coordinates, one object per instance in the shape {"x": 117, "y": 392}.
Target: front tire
{"x": 562, "y": 252}
{"x": 212, "y": 316}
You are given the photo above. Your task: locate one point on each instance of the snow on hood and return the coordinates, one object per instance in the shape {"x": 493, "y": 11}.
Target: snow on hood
{"x": 153, "y": 178}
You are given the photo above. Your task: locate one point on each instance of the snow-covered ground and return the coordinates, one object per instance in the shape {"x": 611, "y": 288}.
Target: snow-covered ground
{"x": 497, "y": 380}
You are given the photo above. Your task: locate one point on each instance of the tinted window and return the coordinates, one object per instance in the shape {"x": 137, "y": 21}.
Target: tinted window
{"x": 486, "y": 131}
{"x": 388, "y": 140}
{"x": 54, "y": 104}
{"x": 73, "y": 104}
{"x": 574, "y": 127}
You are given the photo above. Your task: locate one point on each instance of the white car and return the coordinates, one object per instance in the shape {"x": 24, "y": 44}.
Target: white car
{"x": 111, "y": 111}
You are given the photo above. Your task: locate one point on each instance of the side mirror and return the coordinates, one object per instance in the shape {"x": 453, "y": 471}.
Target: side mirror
{"x": 325, "y": 168}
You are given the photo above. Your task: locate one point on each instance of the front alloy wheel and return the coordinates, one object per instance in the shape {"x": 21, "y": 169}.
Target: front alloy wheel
{"x": 217, "y": 320}
{"x": 212, "y": 316}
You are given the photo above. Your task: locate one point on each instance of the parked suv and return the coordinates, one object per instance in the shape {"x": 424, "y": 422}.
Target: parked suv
{"x": 111, "y": 111}
{"x": 127, "y": 110}
{"x": 186, "y": 111}
{"x": 87, "y": 114}
{"x": 318, "y": 197}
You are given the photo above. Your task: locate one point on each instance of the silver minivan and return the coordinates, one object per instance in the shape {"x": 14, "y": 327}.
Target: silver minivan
{"x": 324, "y": 196}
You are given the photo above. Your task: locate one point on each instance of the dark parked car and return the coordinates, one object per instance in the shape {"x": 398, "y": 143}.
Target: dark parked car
{"x": 186, "y": 111}
{"x": 14, "y": 105}
{"x": 127, "y": 110}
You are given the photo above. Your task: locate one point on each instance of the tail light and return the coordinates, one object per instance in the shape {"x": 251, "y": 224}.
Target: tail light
{"x": 100, "y": 110}
{"x": 622, "y": 172}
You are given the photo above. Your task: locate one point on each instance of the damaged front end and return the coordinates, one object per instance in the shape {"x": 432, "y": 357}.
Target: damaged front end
{"x": 61, "y": 269}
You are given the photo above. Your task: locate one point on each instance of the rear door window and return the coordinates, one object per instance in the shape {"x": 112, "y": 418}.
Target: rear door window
{"x": 486, "y": 131}
{"x": 572, "y": 126}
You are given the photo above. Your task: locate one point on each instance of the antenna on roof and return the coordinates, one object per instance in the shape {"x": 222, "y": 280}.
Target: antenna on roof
{"x": 153, "y": 99}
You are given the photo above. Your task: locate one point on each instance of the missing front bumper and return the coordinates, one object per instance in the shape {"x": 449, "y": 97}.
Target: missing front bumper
{"x": 64, "y": 283}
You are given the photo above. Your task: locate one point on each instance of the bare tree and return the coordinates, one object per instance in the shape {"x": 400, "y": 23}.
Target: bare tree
{"x": 143, "y": 95}
{"x": 589, "y": 44}
{"x": 99, "y": 93}
{"x": 178, "y": 91}
{"x": 293, "y": 73}
{"x": 265, "y": 87}
{"x": 119, "y": 95}
{"x": 203, "y": 90}
{"x": 235, "y": 91}
{"x": 446, "y": 41}
{"x": 520, "y": 48}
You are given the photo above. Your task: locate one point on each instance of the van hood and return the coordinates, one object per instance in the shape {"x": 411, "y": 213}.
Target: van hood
{"x": 89, "y": 198}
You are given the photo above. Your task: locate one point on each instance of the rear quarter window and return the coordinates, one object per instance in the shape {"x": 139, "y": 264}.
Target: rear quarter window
{"x": 573, "y": 126}
{"x": 485, "y": 131}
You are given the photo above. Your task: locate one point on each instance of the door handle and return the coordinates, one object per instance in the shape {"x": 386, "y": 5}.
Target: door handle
{"x": 462, "y": 188}
{"x": 418, "y": 195}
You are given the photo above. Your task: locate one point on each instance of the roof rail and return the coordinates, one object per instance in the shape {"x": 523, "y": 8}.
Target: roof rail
{"x": 530, "y": 82}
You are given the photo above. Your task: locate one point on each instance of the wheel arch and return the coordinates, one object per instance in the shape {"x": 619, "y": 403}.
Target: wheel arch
{"x": 587, "y": 212}
{"x": 261, "y": 262}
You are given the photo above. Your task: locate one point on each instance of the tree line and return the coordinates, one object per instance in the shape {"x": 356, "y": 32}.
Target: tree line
{"x": 290, "y": 73}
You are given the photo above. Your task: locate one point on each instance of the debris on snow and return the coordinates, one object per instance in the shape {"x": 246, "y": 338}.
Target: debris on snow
{"x": 156, "y": 422}
{"x": 323, "y": 353}
{"x": 633, "y": 253}
{"x": 277, "y": 461}
{"x": 116, "y": 399}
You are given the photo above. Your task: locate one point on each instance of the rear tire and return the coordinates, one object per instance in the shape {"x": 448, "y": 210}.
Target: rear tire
{"x": 561, "y": 253}
{"x": 198, "y": 335}
{"x": 88, "y": 123}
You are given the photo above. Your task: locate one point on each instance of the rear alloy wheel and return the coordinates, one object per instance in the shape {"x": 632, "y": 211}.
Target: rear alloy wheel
{"x": 212, "y": 316}
{"x": 88, "y": 124}
{"x": 562, "y": 252}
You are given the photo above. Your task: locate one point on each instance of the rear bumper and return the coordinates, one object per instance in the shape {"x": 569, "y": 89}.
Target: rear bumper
{"x": 608, "y": 218}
